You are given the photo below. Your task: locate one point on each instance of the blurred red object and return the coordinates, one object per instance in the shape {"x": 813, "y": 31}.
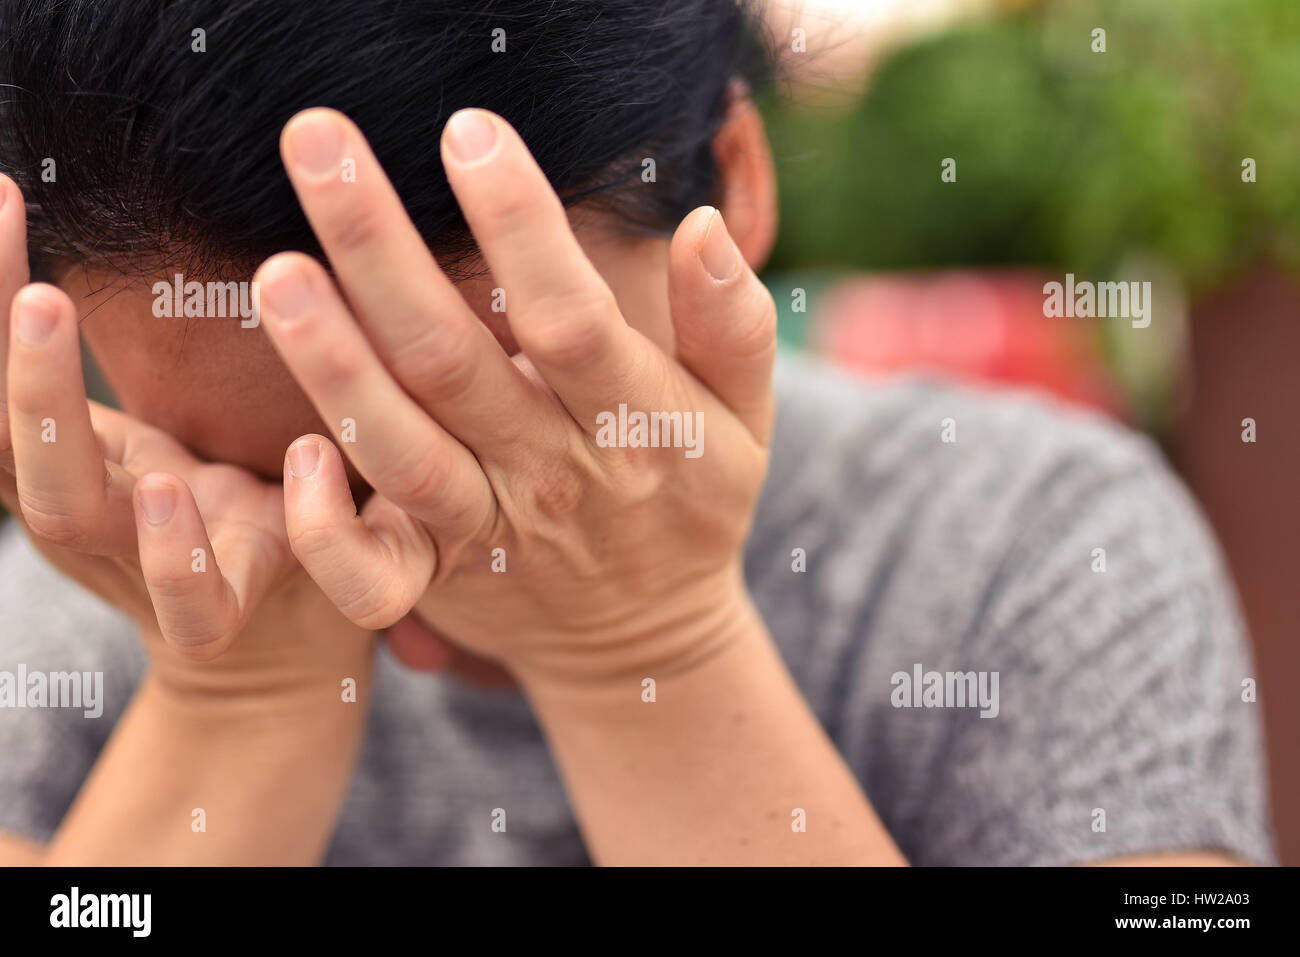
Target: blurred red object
{"x": 976, "y": 327}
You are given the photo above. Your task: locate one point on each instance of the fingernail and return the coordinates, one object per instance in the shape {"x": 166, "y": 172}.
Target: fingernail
{"x": 288, "y": 295}
{"x": 471, "y": 135}
{"x": 36, "y": 319}
{"x": 316, "y": 143}
{"x": 303, "y": 458}
{"x": 157, "y": 502}
{"x": 718, "y": 253}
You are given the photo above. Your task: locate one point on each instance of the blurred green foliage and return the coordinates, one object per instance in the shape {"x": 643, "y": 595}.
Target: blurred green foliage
{"x": 1066, "y": 158}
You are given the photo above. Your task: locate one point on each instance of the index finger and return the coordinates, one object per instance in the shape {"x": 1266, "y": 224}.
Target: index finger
{"x": 411, "y": 313}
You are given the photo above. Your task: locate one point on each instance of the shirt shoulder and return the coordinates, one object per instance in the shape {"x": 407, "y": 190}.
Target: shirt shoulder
{"x": 959, "y": 532}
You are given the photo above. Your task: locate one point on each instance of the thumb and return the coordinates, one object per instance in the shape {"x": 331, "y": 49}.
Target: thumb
{"x": 724, "y": 319}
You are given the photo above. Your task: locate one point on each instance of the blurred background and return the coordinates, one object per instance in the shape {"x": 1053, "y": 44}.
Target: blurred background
{"x": 1135, "y": 140}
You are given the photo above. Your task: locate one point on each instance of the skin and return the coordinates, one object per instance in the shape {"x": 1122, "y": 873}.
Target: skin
{"x": 623, "y": 564}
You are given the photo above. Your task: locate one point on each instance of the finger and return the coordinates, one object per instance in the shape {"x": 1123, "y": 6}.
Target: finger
{"x": 373, "y": 566}
{"x": 560, "y": 310}
{"x": 69, "y": 495}
{"x": 419, "y": 325}
{"x": 724, "y": 319}
{"x": 112, "y": 581}
{"x": 399, "y": 450}
{"x": 14, "y": 274}
{"x": 198, "y": 610}
{"x": 139, "y": 447}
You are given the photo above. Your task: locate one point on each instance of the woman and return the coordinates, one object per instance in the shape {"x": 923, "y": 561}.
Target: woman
{"x": 635, "y": 657}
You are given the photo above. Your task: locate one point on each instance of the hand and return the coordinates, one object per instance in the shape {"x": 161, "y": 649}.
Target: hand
{"x": 189, "y": 550}
{"x": 612, "y": 560}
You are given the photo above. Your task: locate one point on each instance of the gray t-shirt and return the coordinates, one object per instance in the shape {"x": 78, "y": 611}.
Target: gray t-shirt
{"x": 1120, "y": 723}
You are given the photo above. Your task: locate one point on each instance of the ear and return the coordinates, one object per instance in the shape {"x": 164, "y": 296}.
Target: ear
{"x": 746, "y": 188}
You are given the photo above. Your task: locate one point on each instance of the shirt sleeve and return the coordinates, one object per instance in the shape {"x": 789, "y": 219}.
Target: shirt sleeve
{"x": 1126, "y": 720}
{"x": 48, "y": 624}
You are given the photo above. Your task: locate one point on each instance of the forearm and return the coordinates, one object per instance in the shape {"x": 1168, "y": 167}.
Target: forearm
{"x": 268, "y": 774}
{"x": 714, "y": 771}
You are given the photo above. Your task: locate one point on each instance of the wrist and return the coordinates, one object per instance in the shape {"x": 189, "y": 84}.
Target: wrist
{"x": 717, "y": 622}
{"x": 259, "y": 677}
{"x": 268, "y": 771}
{"x": 287, "y": 696}
{"x": 709, "y": 766}
{"x": 295, "y": 652}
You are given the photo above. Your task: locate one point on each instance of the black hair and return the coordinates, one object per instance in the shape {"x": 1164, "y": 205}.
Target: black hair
{"x": 167, "y": 156}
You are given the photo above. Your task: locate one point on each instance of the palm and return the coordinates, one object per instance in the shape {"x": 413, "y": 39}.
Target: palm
{"x": 234, "y": 504}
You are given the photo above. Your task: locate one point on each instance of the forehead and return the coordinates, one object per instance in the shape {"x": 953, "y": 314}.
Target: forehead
{"x": 164, "y": 312}
{"x": 215, "y": 383}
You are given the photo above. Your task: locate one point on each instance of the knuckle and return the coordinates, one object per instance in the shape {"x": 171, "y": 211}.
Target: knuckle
{"x": 417, "y": 477}
{"x": 638, "y": 482}
{"x": 174, "y": 585}
{"x": 336, "y": 366}
{"x": 376, "y": 605}
{"x": 312, "y": 543}
{"x": 567, "y": 330}
{"x": 367, "y": 600}
{"x": 353, "y": 227}
{"x": 436, "y": 368}
{"x": 59, "y": 528}
{"x": 34, "y": 399}
{"x": 194, "y": 620}
{"x": 556, "y": 494}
